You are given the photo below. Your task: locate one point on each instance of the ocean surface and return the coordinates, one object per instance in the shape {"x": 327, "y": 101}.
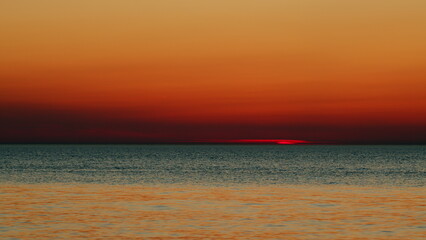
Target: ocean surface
{"x": 212, "y": 192}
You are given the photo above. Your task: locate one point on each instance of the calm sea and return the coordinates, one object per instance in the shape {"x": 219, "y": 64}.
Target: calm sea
{"x": 214, "y": 164}
{"x": 212, "y": 192}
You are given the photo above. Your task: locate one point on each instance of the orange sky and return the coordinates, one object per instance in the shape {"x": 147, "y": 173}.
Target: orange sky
{"x": 167, "y": 70}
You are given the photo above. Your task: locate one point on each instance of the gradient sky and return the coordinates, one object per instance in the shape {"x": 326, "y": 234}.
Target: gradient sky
{"x": 335, "y": 71}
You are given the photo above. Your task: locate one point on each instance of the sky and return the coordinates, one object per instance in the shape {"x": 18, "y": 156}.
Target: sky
{"x": 104, "y": 71}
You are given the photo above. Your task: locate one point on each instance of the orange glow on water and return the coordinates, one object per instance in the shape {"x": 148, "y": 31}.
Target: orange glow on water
{"x": 96, "y": 211}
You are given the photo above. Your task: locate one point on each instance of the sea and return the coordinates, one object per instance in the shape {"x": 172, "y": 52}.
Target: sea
{"x": 212, "y": 191}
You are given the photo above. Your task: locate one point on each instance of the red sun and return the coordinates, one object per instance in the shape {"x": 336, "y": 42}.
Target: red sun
{"x": 258, "y": 141}
{"x": 272, "y": 141}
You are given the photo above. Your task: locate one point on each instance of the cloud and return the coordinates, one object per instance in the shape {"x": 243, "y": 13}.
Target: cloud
{"x": 41, "y": 124}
